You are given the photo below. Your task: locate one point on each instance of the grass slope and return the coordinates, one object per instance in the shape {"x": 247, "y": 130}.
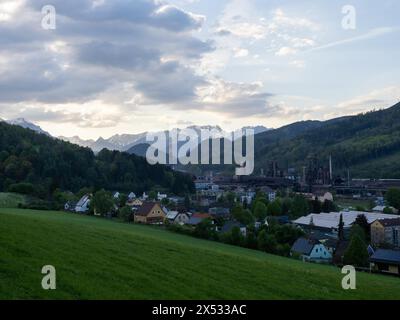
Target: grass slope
{"x": 100, "y": 259}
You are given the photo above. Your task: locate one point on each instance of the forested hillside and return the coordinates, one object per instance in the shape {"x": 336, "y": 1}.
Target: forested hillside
{"x": 36, "y": 164}
{"x": 368, "y": 144}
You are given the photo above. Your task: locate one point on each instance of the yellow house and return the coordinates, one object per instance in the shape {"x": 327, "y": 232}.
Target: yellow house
{"x": 135, "y": 203}
{"x": 386, "y": 231}
{"x": 150, "y": 213}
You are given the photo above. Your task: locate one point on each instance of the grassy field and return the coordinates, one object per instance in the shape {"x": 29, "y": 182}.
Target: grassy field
{"x": 100, "y": 259}
{"x": 346, "y": 203}
{"x": 11, "y": 200}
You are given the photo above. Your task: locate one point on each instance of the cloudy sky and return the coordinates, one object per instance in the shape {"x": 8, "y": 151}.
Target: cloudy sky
{"x": 128, "y": 66}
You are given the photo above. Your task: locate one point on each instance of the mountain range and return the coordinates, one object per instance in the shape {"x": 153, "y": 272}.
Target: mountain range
{"x": 27, "y": 125}
{"x": 368, "y": 145}
{"x": 131, "y": 142}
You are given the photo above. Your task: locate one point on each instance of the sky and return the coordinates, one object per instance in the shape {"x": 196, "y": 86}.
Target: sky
{"x": 129, "y": 66}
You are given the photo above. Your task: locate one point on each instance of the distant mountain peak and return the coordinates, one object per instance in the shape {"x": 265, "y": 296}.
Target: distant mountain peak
{"x": 27, "y": 125}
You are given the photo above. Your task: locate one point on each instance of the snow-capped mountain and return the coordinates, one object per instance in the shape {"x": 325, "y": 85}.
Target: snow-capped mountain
{"x": 77, "y": 140}
{"x": 125, "y": 142}
{"x": 27, "y": 125}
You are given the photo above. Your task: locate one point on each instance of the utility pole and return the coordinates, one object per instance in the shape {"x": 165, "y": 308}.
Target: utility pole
{"x": 348, "y": 178}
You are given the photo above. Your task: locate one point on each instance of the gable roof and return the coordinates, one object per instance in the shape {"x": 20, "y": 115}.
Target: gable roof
{"x": 386, "y": 256}
{"x": 229, "y": 225}
{"x": 83, "y": 200}
{"x": 171, "y": 215}
{"x": 304, "y": 246}
{"x": 202, "y": 216}
{"x": 390, "y": 222}
{"x": 146, "y": 208}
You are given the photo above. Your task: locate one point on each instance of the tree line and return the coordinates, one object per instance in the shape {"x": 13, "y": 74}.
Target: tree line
{"x": 38, "y": 165}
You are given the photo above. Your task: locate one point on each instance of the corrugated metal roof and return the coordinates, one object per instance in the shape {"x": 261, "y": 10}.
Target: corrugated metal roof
{"x": 331, "y": 220}
{"x": 385, "y": 255}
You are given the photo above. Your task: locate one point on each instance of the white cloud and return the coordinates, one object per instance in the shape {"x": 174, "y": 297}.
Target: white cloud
{"x": 285, "y": 51}
{"x": 241, "y": 53}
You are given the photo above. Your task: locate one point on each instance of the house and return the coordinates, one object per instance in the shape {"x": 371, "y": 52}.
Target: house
{"x": 326, "y": 196}
{"x": 270, "y": 194}
{"x": 229, "y": 225}
{"x": 329, "y": 240}
{"x": 198, "y": 218}
{"x": 150, "y": 213}
{"x": 384, "y": 260}
{"x": 83, "y": 204}
{"x": 223, "y": 213}
{"x": 144, "y": 196}
{"x": 178, "y": 218}
{"x": 330, "y": 221}
{"x": 386, "y": 231}
{"x": 177, "y": 200}
{"x": 131, "y": 196}
{"x": 310, "y": 250}
{"x": 161, "y": 196}
{"x": 381, "y": 209}
{"x": 134, "y": 203}
{"x": 279, "y": 219}
{"x": 116, "y": 195}
{"x": 70, "y": 206}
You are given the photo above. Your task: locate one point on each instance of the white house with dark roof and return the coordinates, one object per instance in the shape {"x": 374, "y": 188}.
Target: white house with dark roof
{"x": 310, "y": 250}
{"x": 83, "y": 204}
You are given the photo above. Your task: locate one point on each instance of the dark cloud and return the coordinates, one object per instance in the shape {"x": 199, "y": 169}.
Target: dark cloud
{"x": 101, "y": 48}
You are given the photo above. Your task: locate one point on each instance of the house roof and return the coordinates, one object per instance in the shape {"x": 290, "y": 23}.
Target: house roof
{"x": 194, "y": 221}
{"x": 145, "y": 209}
{"x": 229, "y": 225}
{"x": 386, "y": 256}
{"x": 202, "y": 215}
{"x": 390, "y": 222}
{"x": 83, "y": 200}
{"x": 331, "y": 243}
{"x": 172, "y": 215}
{"x": 331, "y": 220}
{"x": 304, "y": 246}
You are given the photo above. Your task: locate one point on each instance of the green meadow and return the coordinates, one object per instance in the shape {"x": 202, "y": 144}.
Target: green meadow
{"x": 102, "y": 259}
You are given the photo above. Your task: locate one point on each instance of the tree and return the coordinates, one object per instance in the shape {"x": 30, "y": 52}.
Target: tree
{"x": 102, "y": 202}
{"x": 125, "y": 214}
{"x": 266, "y": 242}
{"x": 121, "y": 201}
{"x": 388, "y": 210}
{"x": 362, "y": 221}
{"x": 260, "y": 211}
{"x": 274, "y": 208}
{"x": 315, "y": 206}
{"x": 242, "y": 215}
{"x": 188, "y": 202}
{"x": 205, "y": 230}
{"x": 357, "y": 251}
{"x": 236, "y": 237}
{"x": 299, "y": 207}
{"x": 152, "y": 195}
{"x": 393, "y": 197}
{"x": 328, "y": 206}
{"x": 251, "y": 237}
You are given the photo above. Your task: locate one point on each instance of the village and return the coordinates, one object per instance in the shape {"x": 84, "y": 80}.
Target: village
{"x": 313, "y": 227}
